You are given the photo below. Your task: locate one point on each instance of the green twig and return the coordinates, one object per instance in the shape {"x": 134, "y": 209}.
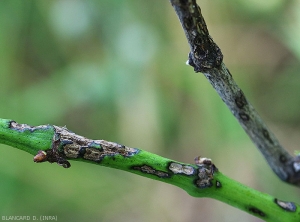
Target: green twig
{"x": 203, "y": 179}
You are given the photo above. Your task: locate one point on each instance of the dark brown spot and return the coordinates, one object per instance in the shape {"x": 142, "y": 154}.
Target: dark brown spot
{"x": 203, "y": 183}
{"x": 282, "y": 158}
{"x": 288, "y": 206}
{"x": 149, "y": 170}
{"x": 256, "y": 211}
{"x": 183, "y": 2}
{"x": 82, "y": 151}
{"x": 92, "y": 154}
{"x": 240, "y": 100}
{"x": 188, "y": 22}
{"x": 53, "y": 156}
{"x": 64, "y": 163}
{"x": 198, "y": 41}
{"x": 244, "y": 116}
{"x": 267, "y": 136}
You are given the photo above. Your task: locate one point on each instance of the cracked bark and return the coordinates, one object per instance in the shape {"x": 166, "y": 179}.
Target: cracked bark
{"x": 206, "y": 57}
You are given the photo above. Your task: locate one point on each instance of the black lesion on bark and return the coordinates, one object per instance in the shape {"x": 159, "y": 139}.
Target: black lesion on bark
{"x": 82, "y": 151}
{"x": 188, "y": 22}
{"x": 204, "y": 54}
{"x": 267, "y": 136}
{"x": 206, "y": 170}
{"x": 257, "y": 211}
{"x": 282, "y": 158}
{"x": 245, "y": 117}
{"x": 53, "y": 155}
{"x": 240, "y": 100}
{"x": 150, "y": 170}
{"x": 183, "y": 2}
{"x": 218, "y": 184}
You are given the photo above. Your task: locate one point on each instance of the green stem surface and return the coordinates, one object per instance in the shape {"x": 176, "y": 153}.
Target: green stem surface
{"x": 41, "y": 138}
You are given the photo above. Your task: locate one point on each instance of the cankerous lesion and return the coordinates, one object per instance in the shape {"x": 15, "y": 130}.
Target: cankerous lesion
{"x": 52, "y": 155}
{"x": 204, "y": 52}
{"x": 68, "y": 145}
{"x": 206, "y": 170}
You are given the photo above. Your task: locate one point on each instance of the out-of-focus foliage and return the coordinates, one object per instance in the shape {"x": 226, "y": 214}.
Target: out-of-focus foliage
{"x": 116, "y": 70}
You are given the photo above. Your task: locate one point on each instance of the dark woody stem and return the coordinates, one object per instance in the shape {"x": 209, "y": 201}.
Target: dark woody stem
{"x": 206, "y": 57}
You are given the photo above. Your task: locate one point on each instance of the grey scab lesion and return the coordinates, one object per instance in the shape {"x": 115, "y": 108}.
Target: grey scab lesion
{"x": 72, "y": 150}
{"x": 74, "y": 146}
{"x": 111, "y": 148}
{"x": 178, "y": 168}
{"x": 93, "y": 154}
{"x": 288, "y": 206}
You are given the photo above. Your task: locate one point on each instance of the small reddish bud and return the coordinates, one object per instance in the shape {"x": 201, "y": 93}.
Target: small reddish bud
{"x": 41, "y": 156}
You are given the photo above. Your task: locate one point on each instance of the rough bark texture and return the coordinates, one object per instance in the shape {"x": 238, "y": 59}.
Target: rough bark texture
{"x": 206, "y": 57}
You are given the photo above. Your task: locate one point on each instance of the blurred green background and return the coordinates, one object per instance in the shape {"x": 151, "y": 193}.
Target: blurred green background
{"x": 115, "y": 70}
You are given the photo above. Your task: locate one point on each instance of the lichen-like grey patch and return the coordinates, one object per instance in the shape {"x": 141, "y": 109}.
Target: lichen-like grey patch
{"x": 71, "y": 150}
{"x": 150, "y": 170}
{"x": 181, "y": 169}
{"x": 218, "y": 184}
{"x": 93, "y": 154}
{"x": 257, "y": 211}
{"x": 288, "y": 206}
